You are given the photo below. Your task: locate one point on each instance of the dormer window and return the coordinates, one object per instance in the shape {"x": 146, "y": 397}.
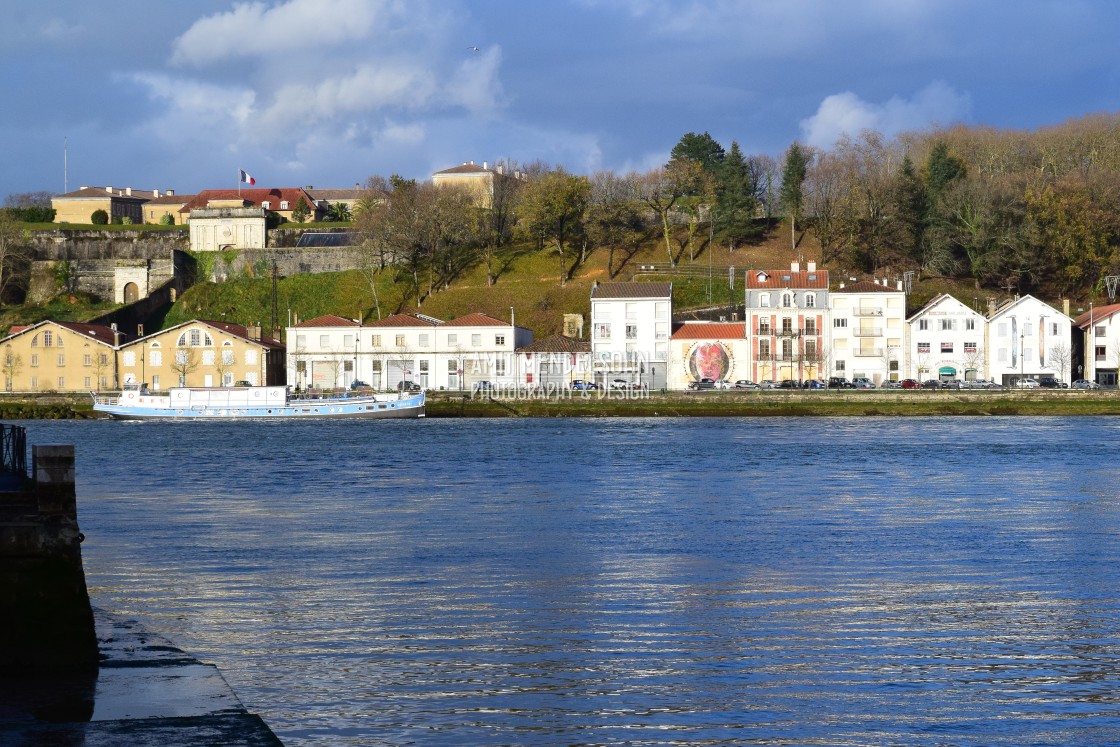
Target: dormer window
{"x": 266, "y": 205}
{"x": 762, "y": 277}
{"x": 283, "y": 204}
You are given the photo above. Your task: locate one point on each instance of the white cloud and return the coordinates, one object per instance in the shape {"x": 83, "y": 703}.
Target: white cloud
{"x": 197, "y": 111}
{"x": 57, "y": 29}
{"x": 257, "y": 30}
{"x": 846, "y": 113}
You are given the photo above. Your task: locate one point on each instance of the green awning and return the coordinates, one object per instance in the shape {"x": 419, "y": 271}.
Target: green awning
{"x": 947, "y": 370}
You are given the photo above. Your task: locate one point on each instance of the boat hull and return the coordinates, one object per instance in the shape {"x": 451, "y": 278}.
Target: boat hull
{"x": 164, "y": 408}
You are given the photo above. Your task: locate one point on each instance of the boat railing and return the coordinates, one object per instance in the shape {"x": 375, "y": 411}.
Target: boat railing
{"x": 105, "y": 399}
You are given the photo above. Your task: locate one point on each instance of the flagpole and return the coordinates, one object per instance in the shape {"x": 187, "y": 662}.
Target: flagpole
{"x": 239, "y": 182}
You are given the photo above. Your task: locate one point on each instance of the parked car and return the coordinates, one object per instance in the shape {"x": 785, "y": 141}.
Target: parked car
{"x": 909, "y": 384}
{"x": 888, "y": 384}
{"x": 1026, "y": 384}
{"x": 702, "y": 384}
{"x": 358, "y": 384}
{"x": 769, "y": 384}
{"x": 1085, "y": 384}
{"x": 1052, "y": 382}
{"x": 721, "y": 384}
{"x": 980, "y": 384}
{"x": 931, "y": 384}
{"x": 623, "y": 384}
{"x": 746, "y": 384}
{"x": 581, "y": 385}
{"x": 412, "y": 386}
{"x": 863, "y": 383}
{"x": 950, "y": 384}
{"x": 839, "y": 382}
{"x": 814, "y": 384}
{"x": 789, "y": 384}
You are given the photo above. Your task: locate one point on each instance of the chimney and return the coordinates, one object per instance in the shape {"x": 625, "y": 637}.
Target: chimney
{"x": 841, "y": 285}
{"x": 155, "y": 193}
{"x": 1065, "y": 306}
{"x": 810, "y": 266}
{"x": 254, "y": 332}
{"x": 139, "y": 330}
{"x": 991, "y": 307}
{"x": 169, "y": 192}
{"x": 900, "y": 285}
{"x": 484, "y": 165}
{"x": 128, "y": 191}
{"x": 357, "y": 185}
{"x": 795, "y": 266}
{"x": 109, "y": 189}
{"x": 310, "y": 186}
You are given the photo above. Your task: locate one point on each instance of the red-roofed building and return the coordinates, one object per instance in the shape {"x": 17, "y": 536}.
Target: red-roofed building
{"x": 708, "y": 350}
{"x": 787, "y": 315}
{"x": 1100, "y": 344}
{"x": 60, "y": 356}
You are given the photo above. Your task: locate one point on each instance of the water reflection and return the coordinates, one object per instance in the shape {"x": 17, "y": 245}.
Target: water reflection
{"x": 811, "y": 581}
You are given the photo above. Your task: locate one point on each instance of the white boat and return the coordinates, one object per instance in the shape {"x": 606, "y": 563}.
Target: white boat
{"x": 135, "y": 402}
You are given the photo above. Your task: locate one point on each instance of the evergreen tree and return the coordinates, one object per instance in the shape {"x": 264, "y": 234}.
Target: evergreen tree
{"x": 942, "y": 169}
{"x": 908, "y": 212}
{"x": 736, "y": 198}
{"x": 703, "y": 149}
{"x": 792, "y": 196}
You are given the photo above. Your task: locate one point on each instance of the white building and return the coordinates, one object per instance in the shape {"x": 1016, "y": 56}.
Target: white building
{"x": 1028, "y": 339}
{"x": 946, "y": 342}
{"x": 1099, "y": 337}
{"x": 221, "y": 226}
{"x": 630, "y": 328}
{"x": 331, "y": 351}
{"x": 554, "y": 362}
{"x": 868, "y": 332}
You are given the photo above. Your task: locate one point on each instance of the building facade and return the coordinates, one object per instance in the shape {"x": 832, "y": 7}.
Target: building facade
{"x": 708, "y": 350}
{"x": 946, "y": 341}
{"x": 331, "y": 351}
{"x": 554, "y": 362}
{"x": 203, "y": 354}
{"x": 868, "y": 331}
{"x": 118, "y": 204}
{"x": 787, "y": 317}
{"x": 1098, "y": 332}
{"x": 1028, "y": 339}
{"x": 631, "y": 324}
{"x": 60, "y": 357}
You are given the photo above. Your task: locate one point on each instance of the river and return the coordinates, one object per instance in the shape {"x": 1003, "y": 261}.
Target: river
{"x": 814, "y": 581}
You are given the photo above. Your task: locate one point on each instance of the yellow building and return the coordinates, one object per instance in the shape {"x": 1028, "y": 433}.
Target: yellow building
{"x": 167, "y": 203}
{"x": 203, "y": 353}
{"x": 79, "y": 206}
{"x": 59, "y": 356}
{"x": 478, "y": 180}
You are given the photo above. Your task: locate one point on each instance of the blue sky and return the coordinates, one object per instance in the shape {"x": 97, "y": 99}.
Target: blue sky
{"x": 329, "y": 92}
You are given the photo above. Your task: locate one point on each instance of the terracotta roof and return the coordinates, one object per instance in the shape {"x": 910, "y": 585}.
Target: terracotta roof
{"x": 466, "y": 168}
{"x": 787, "y": 279}
{"x": 632, "y": 290}
{"x": 866, "y": 286}
{"x": 329, "y": 320}
{"x": 407, "y": 320}
{"x": 477, "y": 320}
{"x": 710, "y": 331}
{"x": 98, "y": 332}
{"x": 557, "y": 344}
{"x": 254, "y": 197}
{"x": 240, "y": 330}
{"x": 171, "y": 199}
{"x": 1096, "y": 314}
{"x": 103, "y": 192}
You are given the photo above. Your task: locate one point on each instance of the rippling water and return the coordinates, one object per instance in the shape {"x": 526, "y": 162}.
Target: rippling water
{"x": 695, "y": 581}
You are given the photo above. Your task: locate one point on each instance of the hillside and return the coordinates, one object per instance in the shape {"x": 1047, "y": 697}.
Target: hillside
{"x": 529, "y": 283}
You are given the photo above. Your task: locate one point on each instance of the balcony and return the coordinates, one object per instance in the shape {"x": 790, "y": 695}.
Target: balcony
{"x": 868, "y": 353}
{"x": 867, "y": 312}
{"x": 868, "y": 332}
{"x": 787, "y": 332}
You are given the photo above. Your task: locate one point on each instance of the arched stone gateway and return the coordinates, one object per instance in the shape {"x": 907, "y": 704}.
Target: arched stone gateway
{"x": 131, "y": 293}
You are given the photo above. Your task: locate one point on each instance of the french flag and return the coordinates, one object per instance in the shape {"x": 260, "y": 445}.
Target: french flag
{"x": 245, "y": 178}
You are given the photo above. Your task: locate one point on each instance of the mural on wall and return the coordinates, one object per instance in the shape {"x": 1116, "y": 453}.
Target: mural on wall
{"x": 709, "y": 360}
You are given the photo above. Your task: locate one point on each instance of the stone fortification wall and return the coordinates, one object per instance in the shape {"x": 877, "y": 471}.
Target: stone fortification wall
{"x": 60, "y": 245}
{"x": 307, "y": 260}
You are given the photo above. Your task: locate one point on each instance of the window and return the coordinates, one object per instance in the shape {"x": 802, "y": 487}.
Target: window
{"x": 787, "y": 300}
{"x": 267, "y": 205}
{"x": 500, "y": 367}
{"x": 763, "y": 326}
{"x": 35, "y": 359}
{"x": 400, "y": 341}
{"x": 810, "y": 326}
{"x": 1053, "y": 328}
{"x": 661, "y": 331}
{"x": 631, "y": 331}
{"x": 946, "y": 325}
{"x": 35, "y": 341}
{"x": 811, "y": 349}
{"x": 61, "y": 382}
{"x": 810, "y": 300}
{"x": 946, "y": 347}
{"x": 196, "y": 337}
{"x": 348, "y": 341}
{"x": 839, "y": 323}
{"x": 1098, "y": 331}
{"x": 764, "y": 300}
{"x": 227, "y": 357}
{"x": 104, "y": 359}
{"x": 208, "y": 357}
{"x": 251, "y": 357}
{"x": 923, "y": 324}
{"x": 631, "y": 311}
{"x": 62, "y": 359}
{"x": 969, "y": 325}
{"x": 87, "y": 382}
{"x": 283, "y": 204}
{"x": 763, "y": 348}
{"x": 324, "y": 341}
{"x": 130, "y": 358}
{"x": 155, "y": 382}
{"x": 301, "y": 367}
{"x": 34, "y": 382}
{"x": 499, "y": 340}
{"x": 923, "y": 347}
{"x": 155, "y": 358}
{"x": 603, "y": 330}
{"x": 423, "y": 340}
{"x": 1099, "y": 352}
{"x": 375, "y": 341}
{"x": 301, "y": 342}
{"x": 48, "y": 337}
{"x": 58, "y": 342}
{"x": 840, "y": 366}
{"x": 970, "y": 347}
{"x": 453, "y": 339}
{"x": 787, "y": 326}
{"x": 476, "y": 341}
{"x": 787, "y": 349}
{"x": 87, "y": 359}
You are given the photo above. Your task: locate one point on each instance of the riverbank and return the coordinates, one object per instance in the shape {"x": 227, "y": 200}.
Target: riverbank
{"x": 846, "y": 403}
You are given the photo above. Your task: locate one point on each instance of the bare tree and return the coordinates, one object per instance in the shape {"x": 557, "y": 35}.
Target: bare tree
{"x": 662, "y": 189}
{"x": 186, "y": 362}
{"x": 13, "y": 365}
{"x": 1060, "y": 358}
